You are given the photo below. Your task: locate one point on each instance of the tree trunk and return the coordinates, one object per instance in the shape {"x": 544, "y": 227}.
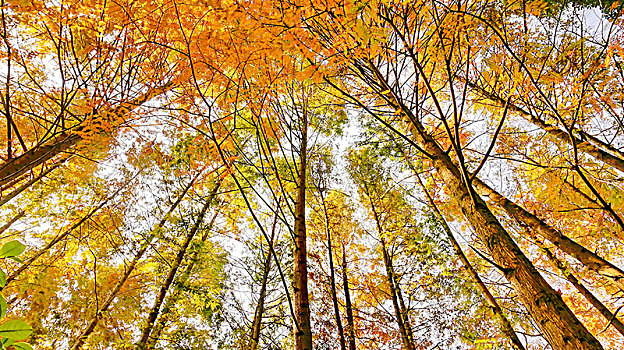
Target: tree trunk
{"x": 41, "y": 153}
{"x": 506, "y": 326}
{"x": 348, "y": 305}
{"x": 6, "y": 198}
{"x": 567, "y": 245}
{"x": 590, "y": 145}
{"x": 399, "y": 312}
{"x": 153, "y": 315}
{"x": 332, "y": 276}
{"x": 256, "y": 326}
{"x": 402, "y": 318}
{"x": 12, "y": 221}
{"x": 36, "y": 156}
{"x": 303, "y": 331}
{"x": 560, "y": 327}
{"x": 604, "y": 311}
{"x": 556, "y": 321}
{"x": 129, "y": 269}
{"x": 173, "y": 299}
{"x": 404, "y": 312}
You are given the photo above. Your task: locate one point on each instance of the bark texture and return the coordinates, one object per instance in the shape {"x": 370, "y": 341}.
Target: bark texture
{"x": 332, "y": 277}
{"x": 256, "y": 326}
{"x": 399, "y": 307}
{"x": 62, "y": 142}
{"x": 348, "y": 304}
{"x": 17, "y": 216}
{"x": 589, "y": 296}
{"x": 303, "y": 329}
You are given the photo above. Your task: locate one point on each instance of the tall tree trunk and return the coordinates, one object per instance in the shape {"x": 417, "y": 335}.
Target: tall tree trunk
{"x": 256, "y": 326}
{"x": 160, "y": 298}
{"x": 129, "y": 269}
{"x": 567, "y": 274}
{"x": 567, "y": 245}
{"x": 332, "y": 276}
{"x": 560, "y": 327}
{"x": 36, "y": 156}
{"x": 7, "y": 197}
{"x": 404, "y": 311}
{"x": 506, "y": 326}
{"x": 41, "y": 153}
{"x": 175, "y": 296}
{"x": 398, "y": 310}
{"x": 589, "y": 144}
{"x": 401, "y": 314}
{"x": 556, "y": 321}
{"x": 303, "y": 330}
{"x": 348, "y": 305}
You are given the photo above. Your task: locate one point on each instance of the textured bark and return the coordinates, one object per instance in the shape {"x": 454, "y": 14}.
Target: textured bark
{"x": 348, "y": 305}
{"x": 162, "y": 293}
{"x": 567, "y": 245}
{"x": 559, "y": 325}
{"x": 303, "y": 330}
{"x": 129, "y": 269}
{"x": 404, "y": 311}
{"x": 37, "y": 156}
{"x": 555, "y": 320}
{"x": 256, "y": 325}
{"x": 604, "y": 311}
{"x": 506, "y": 326}
{"x": 588, "y": 144}
{"x": 401, "y": 316}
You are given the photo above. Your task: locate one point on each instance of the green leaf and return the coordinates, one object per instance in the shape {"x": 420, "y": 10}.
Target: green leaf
{"x": 2, "y": 278}
{"x": 15, "y": 329}
{"x": 3, "y": 306}
{"x": 11, "y": 249}
{"x": 22, "y": 346}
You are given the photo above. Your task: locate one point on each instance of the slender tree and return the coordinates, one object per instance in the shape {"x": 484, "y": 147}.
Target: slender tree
{"x": 175, "y": 265}
{"x": 303, "y": 330}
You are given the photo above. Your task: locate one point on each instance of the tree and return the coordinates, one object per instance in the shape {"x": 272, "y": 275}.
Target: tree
{"x": 362, "y": 153}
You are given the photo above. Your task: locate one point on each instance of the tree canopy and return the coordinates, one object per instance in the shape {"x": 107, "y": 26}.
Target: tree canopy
{"x": 306, "y": 174}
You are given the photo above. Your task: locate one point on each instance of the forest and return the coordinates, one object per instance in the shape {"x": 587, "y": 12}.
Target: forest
{"x": 311, "y": 174}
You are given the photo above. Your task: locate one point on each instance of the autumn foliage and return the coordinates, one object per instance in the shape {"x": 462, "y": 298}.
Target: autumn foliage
{"x": 336, "y": 174}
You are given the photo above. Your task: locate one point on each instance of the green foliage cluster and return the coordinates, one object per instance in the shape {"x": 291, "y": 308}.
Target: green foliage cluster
{"x": 13, "y": 330}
